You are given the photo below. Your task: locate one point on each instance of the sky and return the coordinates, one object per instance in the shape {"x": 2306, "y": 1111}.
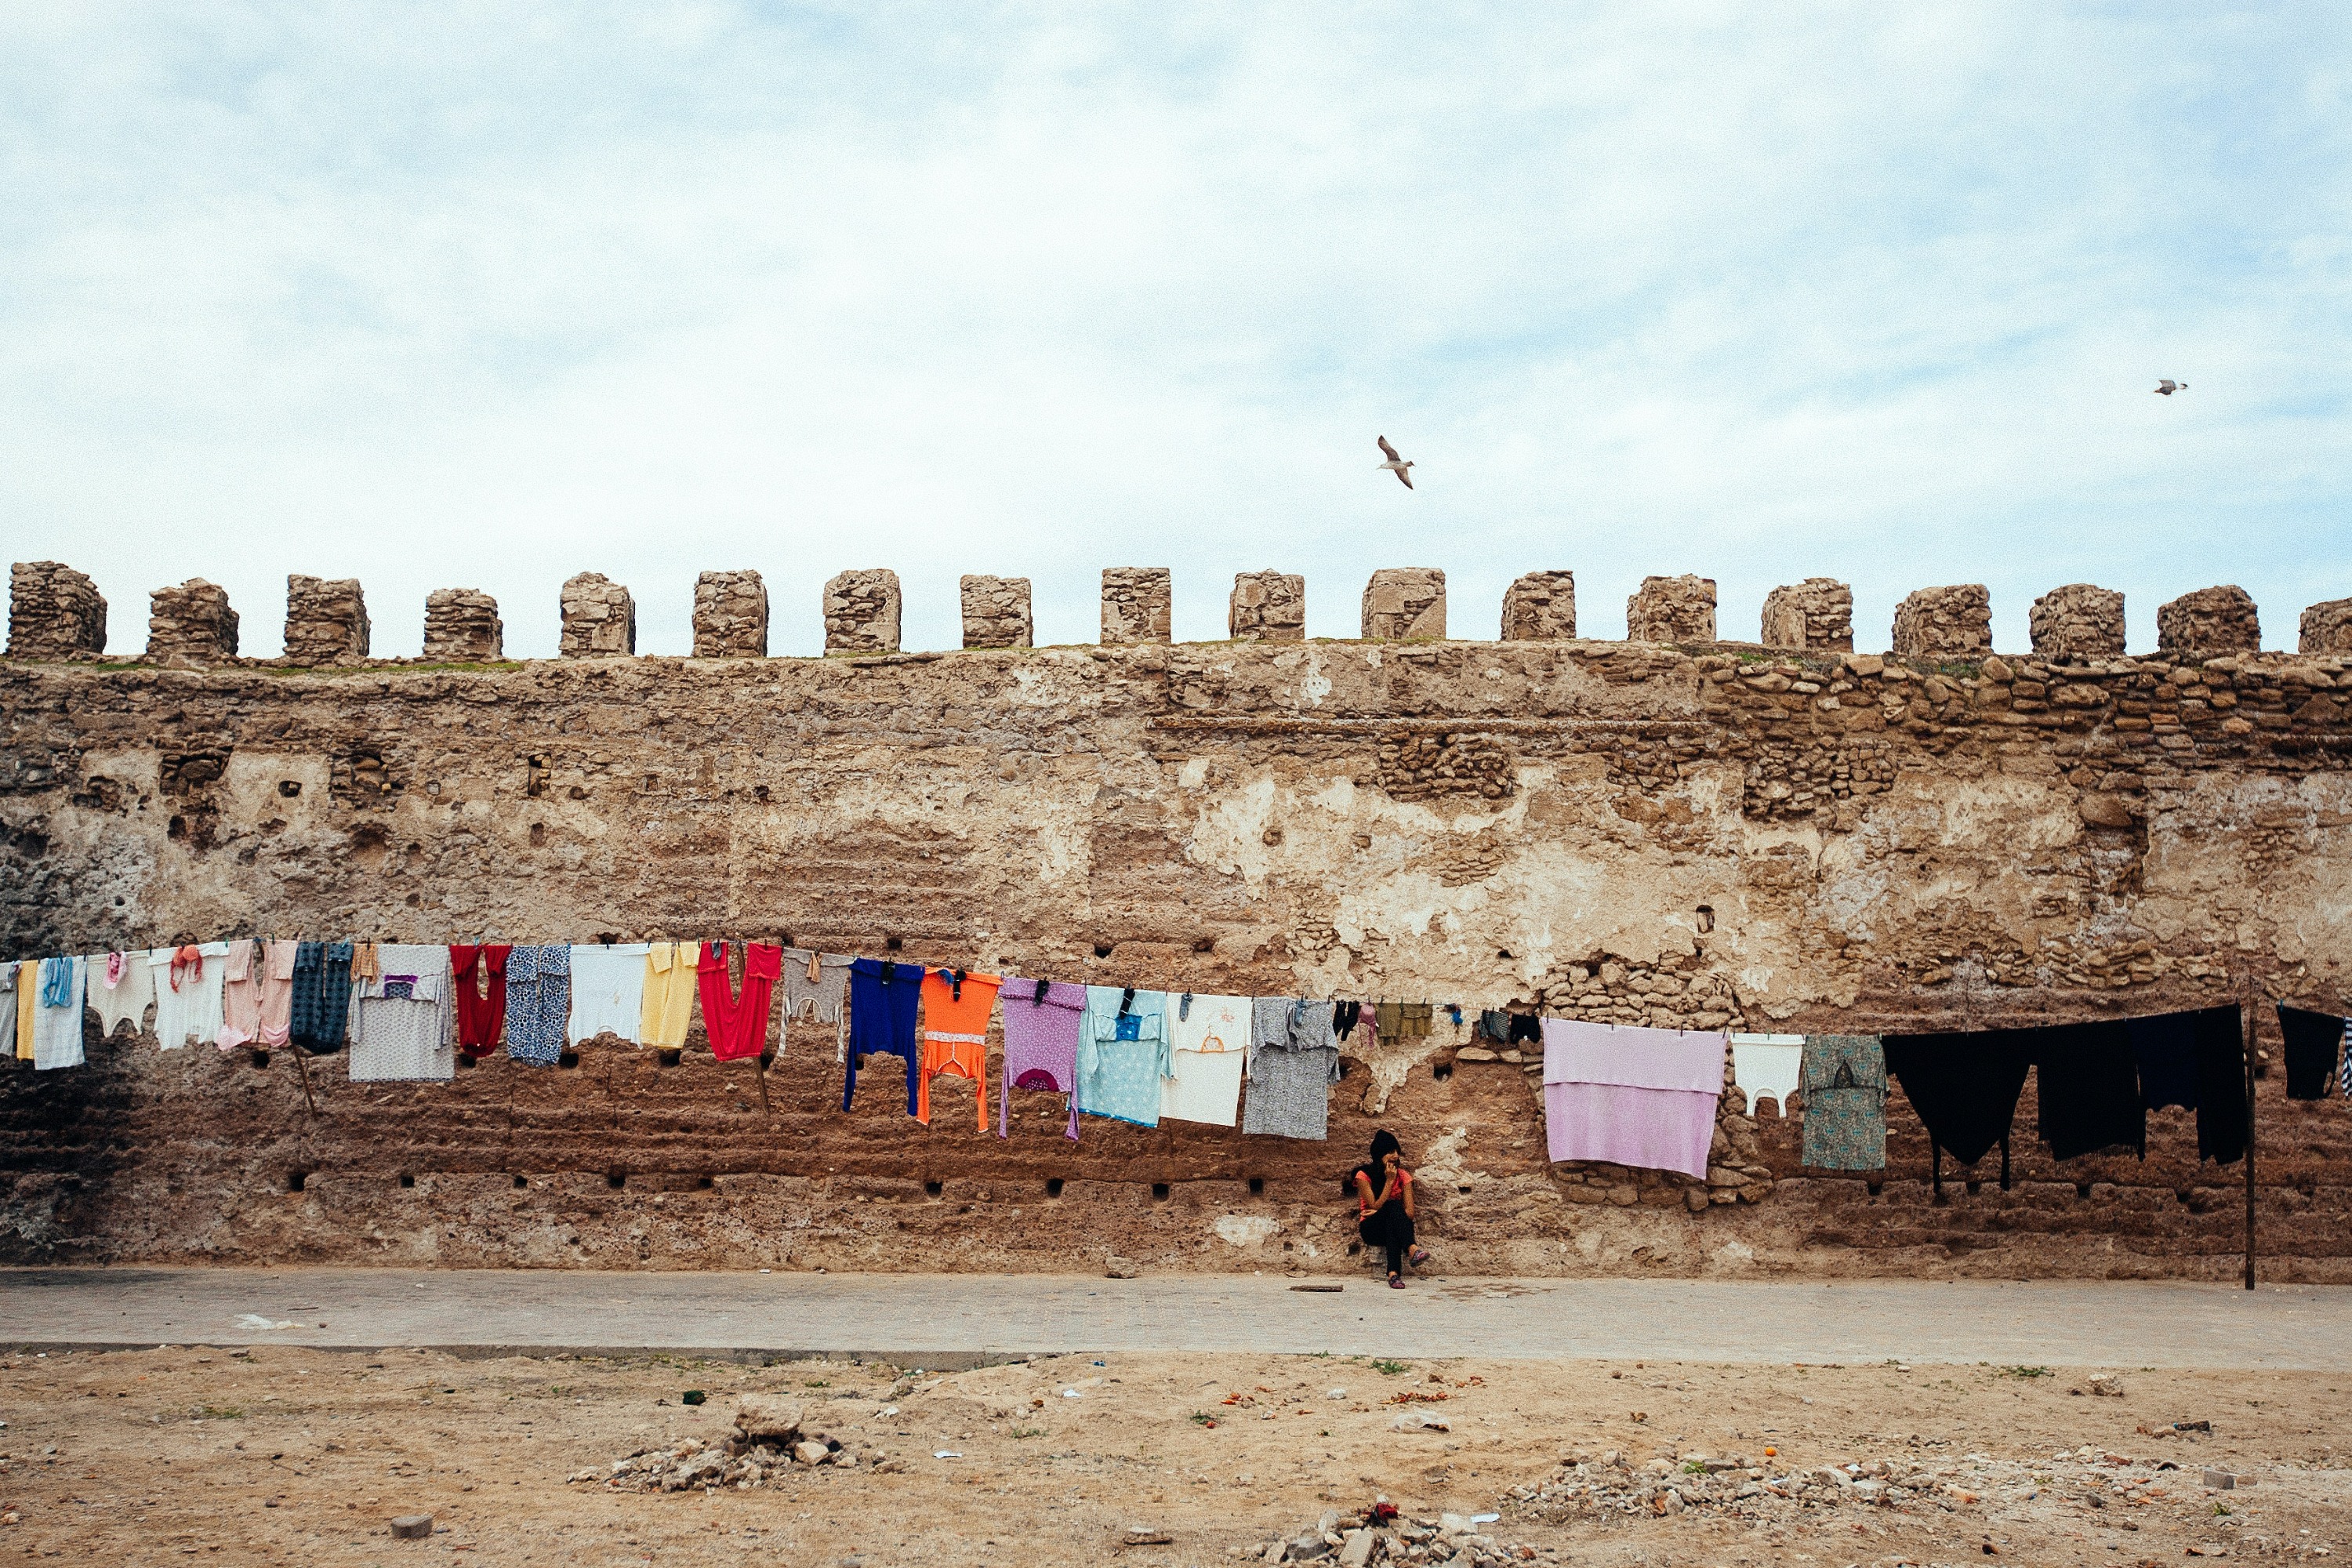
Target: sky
{"x": 473, "y": 296}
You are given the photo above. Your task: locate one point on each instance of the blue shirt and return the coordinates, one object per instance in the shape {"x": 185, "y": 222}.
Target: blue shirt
{"x": 1123, "y": 1053}
{"x": 882, "y": 998}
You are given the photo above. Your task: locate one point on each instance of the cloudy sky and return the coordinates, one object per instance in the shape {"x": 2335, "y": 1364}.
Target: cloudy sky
{"x": 475, "y": 296}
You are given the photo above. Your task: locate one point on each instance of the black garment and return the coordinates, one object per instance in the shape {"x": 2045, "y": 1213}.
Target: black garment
{"x": 1344, "y": 1016}
{"x": 1965, "y": 1088}
{"x": 1492, "y": 1024}
{"x": 1525, "y": 1026}
{"x": 2314, "y": 1042}
{"x": 2197, "y": 1060}
{"x": 1391, "y": 1228}
{"x": 318, "y": 1009}
{"x": 2086, "y": 1090}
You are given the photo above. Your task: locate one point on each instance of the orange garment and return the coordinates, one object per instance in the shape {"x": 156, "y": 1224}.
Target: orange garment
{"x": 954, "y": 1034}
{"x": 29, "y": 980}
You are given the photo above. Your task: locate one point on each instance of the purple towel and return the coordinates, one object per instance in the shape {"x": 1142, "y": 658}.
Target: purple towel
{"x": 1643, "y": 1098}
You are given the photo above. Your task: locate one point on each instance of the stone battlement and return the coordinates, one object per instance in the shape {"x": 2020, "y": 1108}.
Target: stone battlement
{"x": 55, "y": 613}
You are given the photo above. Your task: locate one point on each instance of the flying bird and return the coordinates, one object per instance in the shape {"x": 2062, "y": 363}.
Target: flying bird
{"x": 2164, "y": 388}
{"x": 1398, "y": 466}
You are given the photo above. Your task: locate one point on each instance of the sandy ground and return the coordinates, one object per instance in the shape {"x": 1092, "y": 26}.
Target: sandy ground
{"x": 281, "y": 1455}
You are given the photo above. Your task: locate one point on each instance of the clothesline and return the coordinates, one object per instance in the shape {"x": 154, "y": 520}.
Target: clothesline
{"x": 1627, "y": 1095}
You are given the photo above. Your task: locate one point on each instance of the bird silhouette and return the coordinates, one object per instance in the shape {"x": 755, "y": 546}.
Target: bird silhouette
{"x": 1395, "y": 464}
{"x": 2167, "y": 386}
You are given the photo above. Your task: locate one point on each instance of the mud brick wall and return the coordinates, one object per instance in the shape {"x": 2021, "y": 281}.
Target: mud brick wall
{"x": 1616, "y": 831}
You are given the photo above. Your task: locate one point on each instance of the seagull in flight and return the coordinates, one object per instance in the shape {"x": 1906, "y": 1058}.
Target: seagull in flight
{"x": 1398, "y": 466}
{"x": 2164, "y": 388}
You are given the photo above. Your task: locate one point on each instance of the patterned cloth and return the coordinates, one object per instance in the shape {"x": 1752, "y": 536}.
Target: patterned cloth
{"x": 322, "y": 996}
{"x": 1041, "y": 1044}
{"x": 404, "y": 1038}
{"x": 538, "y": 1003}
{"x": 1293, "y": 1063}
{"x": 1124, "y": 1052}
{"x": 815, "y": 985}
{"x": 1846, "y": 1102}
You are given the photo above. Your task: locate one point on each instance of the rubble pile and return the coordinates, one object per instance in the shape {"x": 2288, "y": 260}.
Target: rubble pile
{"x": 769, "y": 1443}
{"x": 1380, "y": 1534}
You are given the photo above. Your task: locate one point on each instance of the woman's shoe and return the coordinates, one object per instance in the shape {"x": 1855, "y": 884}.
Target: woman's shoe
{"x": 1396, "y": 1282}
{"x": 1419, "y": 1256}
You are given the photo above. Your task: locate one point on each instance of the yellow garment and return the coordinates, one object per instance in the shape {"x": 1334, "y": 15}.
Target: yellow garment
{"x": 672, "y": 971}
{"x": 29, "y": 980}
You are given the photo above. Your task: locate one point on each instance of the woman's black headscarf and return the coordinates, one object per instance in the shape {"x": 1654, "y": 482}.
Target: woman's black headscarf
{"x": 1384, "y": 1144}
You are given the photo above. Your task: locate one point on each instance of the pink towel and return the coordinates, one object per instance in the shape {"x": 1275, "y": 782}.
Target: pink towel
{"x": 1643, "y": 1098}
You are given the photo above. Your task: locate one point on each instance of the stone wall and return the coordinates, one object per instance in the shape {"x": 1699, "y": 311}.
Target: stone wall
{"x": 1816, "y": 614}
{"x": 191, "y": 623}
{"x": 2328, "y": 627}
{"x": 1540, "y": 607}
{"x": 326, "y": 620}
{"x": 2209, "y": 621}
{"x": 861, "y": 611}
{"x": 54, "y": 611}
{"x": 1616, "y": 831}
{"x": 1945, "y": 624}
{"x": 600, "y": 619}
{"x": 996, "y": 612}
{"x": 730, "y": 615}
{"x": 1137, "y": 605}
{"x": 1405, "y": 602}
{"x": 1267, "y": 607}
{"x": 462, "y": 626}
{"x": 2077, "y": 621}
{"x": 1672, "y": 610}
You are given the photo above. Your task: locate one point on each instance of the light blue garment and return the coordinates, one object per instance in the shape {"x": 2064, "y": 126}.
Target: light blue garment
{"x": 1122, "y": 1055}
{"x": 57, "y": 987}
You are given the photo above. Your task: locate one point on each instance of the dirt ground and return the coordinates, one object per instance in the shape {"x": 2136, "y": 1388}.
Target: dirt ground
{"x": 302, "y": 1457}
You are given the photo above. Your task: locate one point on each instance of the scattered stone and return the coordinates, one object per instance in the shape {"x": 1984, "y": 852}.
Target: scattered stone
{"x": 2078, "y": 622}
{"x": 768, "y": 1418}
{"x": 1356, "y": 1548}
{"x": 54, "y": 611}
{"x": 2209, "y": 621}
{"x": 2106, "y": 1386}
{"x": 412, "y": 1526}
{"x": 1815, "y": 615}
{"x": 326, "y": 620}
{"x": 1267, "y": 607}
{"x": 1116, "y": 1268}
{"x": 996, "y": 613}
{"x": 810, "y": 1453}
{"x": 1137, "y": 604}
{"x": 1672, "y": 610}
{"x": 861, "y": 611}
{"x": 462, "y": 626}
{"x": 1405, "y": 602}
{"x": 1145, "y": 1535}
{"x": 191, "y": 622}
{"x": 731, "y": 616}
{"x": 2326, "y": 626}
{"x": 600, "y": 619}
{"x": 1541, "y": 606}
{"x": 1953, "y": 623}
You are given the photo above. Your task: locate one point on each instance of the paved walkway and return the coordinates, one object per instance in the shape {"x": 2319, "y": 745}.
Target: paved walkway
{"x": 945, "y": 1320}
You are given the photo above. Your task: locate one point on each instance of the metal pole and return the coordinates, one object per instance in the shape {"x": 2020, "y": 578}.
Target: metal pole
{"x": 2254, "y": 996}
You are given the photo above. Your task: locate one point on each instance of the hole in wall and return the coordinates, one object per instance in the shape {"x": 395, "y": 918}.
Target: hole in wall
{"x": 1286, "y": 1246}
{"x": 616, "y": 1180}
{"x": 1159, "y": 1191}
{"x": 567, "y": 1059}
{"x": 295, "y": 1180}
{"x": 521, "y": 1182}
{"x": 703, "y": 1183}
{"x": 538, "y": 834}
{"x": 894, "y": 943}
{"x": 2081, "y": 1189}
{"x": 1354, "y": 1247}
{"x": 1205, "y": 944}
{"x": 1874, "y": 1188}
{"x": 1102, "y": 950}
{"x": 1257, "y": 1186}
{"x": 261, "y": 1058}
{"x": 289, "y": 788}
{"x": 406, "y": 1180}
{"x": 1706, "y": 917}
{"x": 465, "y": 1061}
{"x": 1053, "y": 1186}
{"x": 933, "y": 1188}
{"x": 1974, "y": 1186}
{"x": 667, "y": 1058}
{"x": 1502, "y": 952}
{"x": 1442, "y": 1071}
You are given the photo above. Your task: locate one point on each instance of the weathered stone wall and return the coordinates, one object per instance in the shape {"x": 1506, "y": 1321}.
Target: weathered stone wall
{"x": 1616, "y": 831}
{"x": 861, "y": 611}
{"x": 1948, "y": 623}
{"x": 1541, "y": 606}
{"x": 730, "y": 615}
{"x": 2326, "y": 627}
{"x": 1267, "y": 607}
{"x": 1405, "y": 602}
{"x": 2080, "y": 620}
{"x": 1816, "y": 614}
{"x": 1672, "y": 610}
{"x": 54, "y": 611}
{"x": 2209, "y": 621}
{"x": 326, "y": 620}
{"x": 996, "y": 612}
{"x": 599, "y": 617}
{"x": 191, "y": 623}
{"x": 1137, "y": 605}
{"x": 462, "y": 626}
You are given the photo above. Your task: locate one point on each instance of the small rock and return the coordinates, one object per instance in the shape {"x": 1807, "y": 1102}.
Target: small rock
{"x": 412, "y": 1526}
{"x": 1145, "y": 1535}
{"x": 809, "y": 1452}
{"x": 2221, "y": 1480}
{"x": 768, "y": 1418}
{"x": 1355, "y": 1549}
{"x": 2106, "y": 1386}
{"x": 1118, "y": 1268}
{"x": 1309, "y": 1547}
{"x": 1455, "y": 1524}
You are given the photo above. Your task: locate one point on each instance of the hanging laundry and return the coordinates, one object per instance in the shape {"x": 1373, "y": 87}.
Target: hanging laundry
{"x": 57, "y": 1019}
{"x": 1525, "y": 1029}
{"x": 2197, "y": 1060}
{"x": 1494, "y": 1026}
{"x": 1964, "y": 1085}
{"x": 402, "y": 1016}
{"x": 883, "y": 996}
{"x": 240, "y": 997}
{"x": 188, "y": 992}
{"x": 1293, "y": 1063}
{"x": 1344, "y": 1016}
{"x": 1042, "y": 1020}
{"x": 1768, "y": 1067}
{"x": 1844, "y": 1080}
{"x": 365, "y": 965}
{"x": 121, "y": 989}
{"x": 538, "y": 1003}
{"x": 15, "y": 996}
{"x": 1405, "y": 1020}
{"x": 1209, "y": 1040}
{"x": 276, "y": 964}
{"x": 956, "y": 1009}
{"x": 477, "y": 976}
{"x": 815, "y": 987}
{"x": 608, "y": 990}
{"x": 673, "y": 976}
{"x": 2314, "y": 1051}
{"x": 1123, "y": 1053}
{"x": 2086, "y": 1090}
{"x": 1638, "y": 1097}
{"x": 321, "y": 996}
{"x": 736, "y": 1022}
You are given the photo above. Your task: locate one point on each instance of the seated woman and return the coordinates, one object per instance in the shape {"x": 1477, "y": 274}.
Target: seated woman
{"x": 1384, "y": 1207}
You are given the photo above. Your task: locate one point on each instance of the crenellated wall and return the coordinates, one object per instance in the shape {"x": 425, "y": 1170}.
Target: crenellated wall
{"x": 1788, "y": 839}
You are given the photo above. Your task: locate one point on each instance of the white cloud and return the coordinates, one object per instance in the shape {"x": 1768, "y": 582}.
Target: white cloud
{"x": 453, "y": 296}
